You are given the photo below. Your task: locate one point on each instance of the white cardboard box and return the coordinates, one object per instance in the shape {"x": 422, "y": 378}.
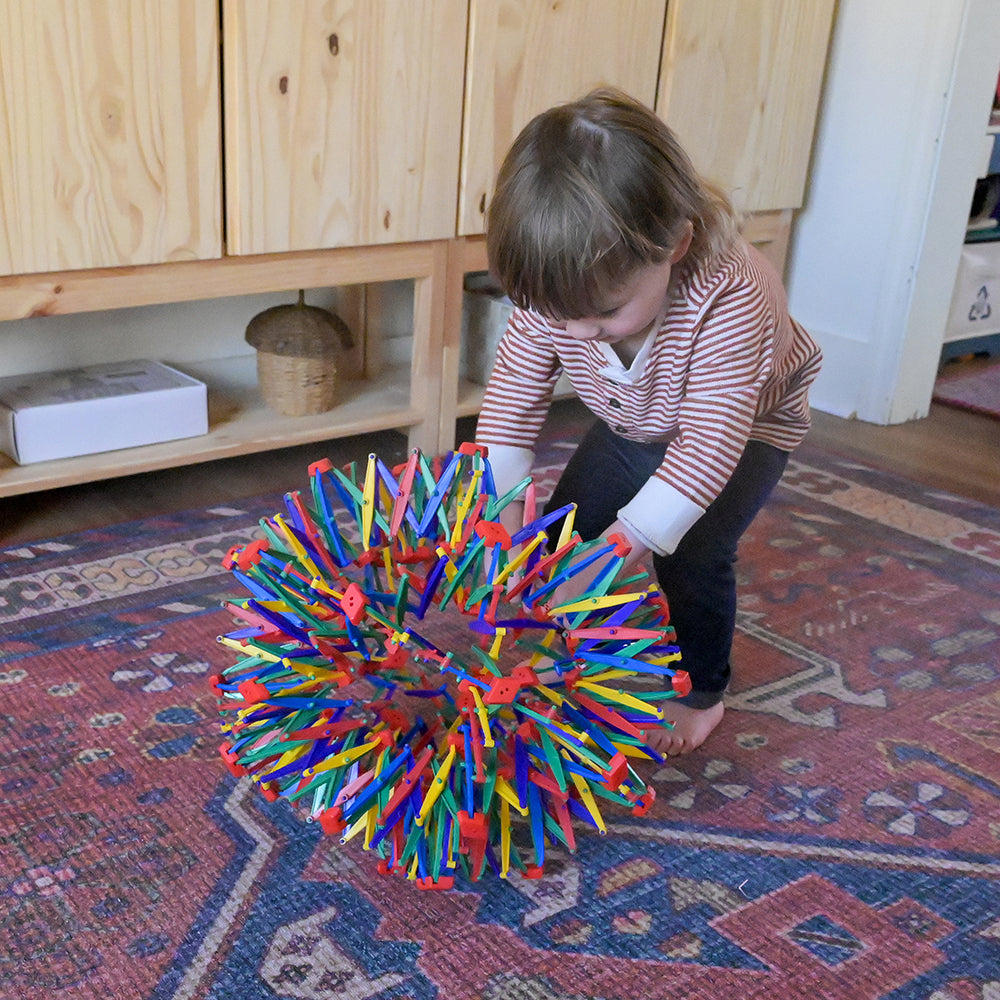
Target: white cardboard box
{"x": 51, "y": 415}
{"x": 975, "y": 305}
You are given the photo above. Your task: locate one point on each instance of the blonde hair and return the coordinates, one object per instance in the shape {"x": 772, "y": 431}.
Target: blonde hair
{"x": 589, "y": 192}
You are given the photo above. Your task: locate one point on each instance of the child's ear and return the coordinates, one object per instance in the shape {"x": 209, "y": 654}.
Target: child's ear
{"x": 685, "y": 243}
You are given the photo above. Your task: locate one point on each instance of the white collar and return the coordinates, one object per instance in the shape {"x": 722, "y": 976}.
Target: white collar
{"x": 615, "y": 371}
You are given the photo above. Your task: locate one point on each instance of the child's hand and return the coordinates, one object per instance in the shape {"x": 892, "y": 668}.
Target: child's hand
{"x": 576, "y": 586}
{"x": 512, "y": 517}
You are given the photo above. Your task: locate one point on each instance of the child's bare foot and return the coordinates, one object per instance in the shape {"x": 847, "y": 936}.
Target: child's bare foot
{"x": 692, "y": 726}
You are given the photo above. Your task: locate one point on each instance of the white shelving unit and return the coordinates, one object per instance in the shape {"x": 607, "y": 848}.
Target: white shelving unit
{"x": 876, "y": 249}
{"x": 975, "y": 306}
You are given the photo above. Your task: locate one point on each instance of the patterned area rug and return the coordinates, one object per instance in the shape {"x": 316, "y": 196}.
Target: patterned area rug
{"x": 972, "y": 384}
{"x": 837, "y": 838}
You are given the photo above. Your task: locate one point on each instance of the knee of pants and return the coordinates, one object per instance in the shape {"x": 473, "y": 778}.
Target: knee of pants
{"x": 690, "y": 562}
{"x": 698, "y": 584}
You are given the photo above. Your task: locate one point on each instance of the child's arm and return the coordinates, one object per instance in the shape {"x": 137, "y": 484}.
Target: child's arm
{"x": 730, "y": 365}
{"x": 578, "y": 585}
{"x": 517, "y": 399}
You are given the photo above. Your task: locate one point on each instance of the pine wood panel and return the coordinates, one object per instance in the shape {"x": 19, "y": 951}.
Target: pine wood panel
{"x": 526, "y": 56}
{"x": 109, "y": 112}
{"x": 343, "y": 121}
{"x": 109, "y": 288}
{"x": 740, "y": 87}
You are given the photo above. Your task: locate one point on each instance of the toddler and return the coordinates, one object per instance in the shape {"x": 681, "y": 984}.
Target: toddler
{"x": 628, "y": 274}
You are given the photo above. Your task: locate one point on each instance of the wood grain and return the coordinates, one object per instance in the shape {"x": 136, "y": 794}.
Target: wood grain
{"x": 951, "y": 450}
{"x": 770, "y": 232}
{"x": 108, "y": 288}
{"x": 411, "y": 401}
{"x": 740, "y": 87}
{"x": 110, "y": 112}
{"x": 343, "y": 122}
{"x": 343, "y": 131}
{"x": 526, "y": 56}
{"x": 240, "y": 424}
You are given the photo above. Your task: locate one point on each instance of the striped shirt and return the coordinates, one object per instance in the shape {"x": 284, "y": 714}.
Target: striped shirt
{"x": 727, "y": 364}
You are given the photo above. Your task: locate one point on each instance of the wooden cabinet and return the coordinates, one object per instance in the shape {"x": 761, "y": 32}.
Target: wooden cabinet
{"x": 361, "y": 142}
{"x": 526, "y": 56}
{"x": 738, "y": 82}
{"x": 109, "y": 133}
{"x": 343, "y": 121}
{"x": 740, "y": 87}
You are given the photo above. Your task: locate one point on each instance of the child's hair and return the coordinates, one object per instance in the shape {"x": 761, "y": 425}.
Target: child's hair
{"x": 589, "y": 192}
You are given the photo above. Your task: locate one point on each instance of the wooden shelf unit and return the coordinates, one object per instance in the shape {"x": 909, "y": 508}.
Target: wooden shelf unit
{"x": 420, "y": 398}
{"x": 239, "y": 424}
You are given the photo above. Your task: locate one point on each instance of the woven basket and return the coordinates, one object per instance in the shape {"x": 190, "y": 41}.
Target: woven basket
{"x": 297, "y": 387}
{"x": 296, "y": 346}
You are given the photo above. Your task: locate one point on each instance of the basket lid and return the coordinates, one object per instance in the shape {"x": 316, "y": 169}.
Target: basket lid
{"x": 299, "y": 331}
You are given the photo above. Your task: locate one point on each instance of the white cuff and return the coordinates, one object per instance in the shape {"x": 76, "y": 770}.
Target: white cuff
{"x": 660, "y": 515}
{"x": 509, "y": 465}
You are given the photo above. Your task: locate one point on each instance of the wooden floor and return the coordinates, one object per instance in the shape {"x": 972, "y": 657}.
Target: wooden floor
{"x": 951, "y": 449}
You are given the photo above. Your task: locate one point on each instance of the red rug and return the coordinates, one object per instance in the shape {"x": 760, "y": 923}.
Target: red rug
{"x": 837, "y": 838}
{"x": 970, "y": 384}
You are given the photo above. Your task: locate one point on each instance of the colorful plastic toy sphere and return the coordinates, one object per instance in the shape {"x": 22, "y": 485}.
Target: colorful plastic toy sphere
{"x": 402, "y": 677}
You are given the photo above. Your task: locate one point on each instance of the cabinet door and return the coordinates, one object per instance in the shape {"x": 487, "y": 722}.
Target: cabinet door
{"x": 343, "y": 121}
{"x": 109, "y": 117}
{"x": 526, "y": 56}
{"x": 740, "y": 87}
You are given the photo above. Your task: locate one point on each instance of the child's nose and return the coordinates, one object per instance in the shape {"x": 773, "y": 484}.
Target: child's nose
{"x": 582, "y": 329}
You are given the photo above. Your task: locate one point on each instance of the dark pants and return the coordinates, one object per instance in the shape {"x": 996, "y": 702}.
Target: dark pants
{"x": 698, "y": 579}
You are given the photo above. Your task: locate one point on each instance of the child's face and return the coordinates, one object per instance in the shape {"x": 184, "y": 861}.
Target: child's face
{"x": 631, "y": 313}
{"x": 637, "y": 306}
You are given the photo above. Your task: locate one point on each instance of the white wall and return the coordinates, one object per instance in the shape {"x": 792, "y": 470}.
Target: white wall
{"x": 181, "y": 332}
{"x": 174, "y": 333}
{"x": 876, "y": 247}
